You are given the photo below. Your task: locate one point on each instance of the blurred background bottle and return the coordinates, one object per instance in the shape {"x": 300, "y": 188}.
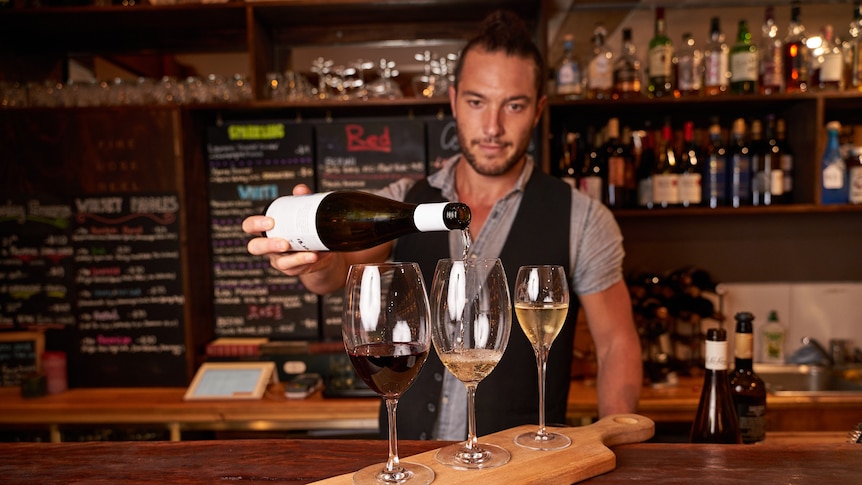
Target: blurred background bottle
{"x": 569, "y": 77}
{"x": 716, "y": 61}
{"x": 617, "y": 159}
{"x": 786, "y": 161}
{"x": 796, "y": 55}
{"x": 660, "y": 57}
{"x": 833, "y": 183}
{"x": 739, "y": 167}
{"x": 854, "y": 43}
{"x": 747, "y": 388}
{"x": 690, "y": 167}
{"x": 771, "y": 69}
{"x": 688, "y": 64}
{"x": 827, "y": 64}
{"x": 773, "y": 339}
{"x": 743, "y": 62}
{"x": 715, "y": 167}
{"x": 600, "y": 73}
{"x": 665, "y": 175}
{"x": 645, "y": 167}
{"x": 627, "y": 70}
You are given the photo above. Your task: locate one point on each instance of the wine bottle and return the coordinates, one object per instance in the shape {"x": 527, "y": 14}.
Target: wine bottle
{"x": 716, "y": 61}
{"x": 739, "y": 167}
{"x": 795, "y": 58}
{"x": 715, "y": 420}
{"x": 854, "y": 175}
{"x": 715, "y": 168}
{"x": 786, "y": 161}
{"x": 594, "y": 174}
{"x": 772, "y": 155}
{"x": 771, "y": 69}
{"x": 617, "y": 160}
{"x": 627, "y": 70}
{"x": 833, "y": 186}
{"x": 743, "y": 62}
{"x": 690, "y": 177}
{"x": 350, "y": 221}
{"x": 600, "y": 73}
{"x": 645, "y": 167}
{"x": 665, "y": 176}
{"x": 854, "y": 76}
{"x": 759, "y": 160}
{"x": 747, "y": 388}
{"x": 660, "y": 59}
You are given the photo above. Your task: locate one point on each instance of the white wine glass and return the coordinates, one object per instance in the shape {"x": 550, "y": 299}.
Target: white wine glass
{"x": 471, "y": 316}
{"x": 386, "y": 331}
{"x": 541, "y": 305}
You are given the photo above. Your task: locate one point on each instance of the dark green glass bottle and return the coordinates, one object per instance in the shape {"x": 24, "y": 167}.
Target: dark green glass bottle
{"x": 743, "y": 62}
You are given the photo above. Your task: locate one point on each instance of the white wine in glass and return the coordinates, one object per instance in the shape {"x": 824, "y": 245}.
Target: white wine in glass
{"x": 387, "y": 335}
{"x": 541, "y": 305}
{"x": 471, "y": 316}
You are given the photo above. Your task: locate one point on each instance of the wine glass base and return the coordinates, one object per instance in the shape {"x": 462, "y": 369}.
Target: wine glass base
{"x": 545, "y": 441}
{"x": 410, "y": 473}
{"x": 483, "y": 456}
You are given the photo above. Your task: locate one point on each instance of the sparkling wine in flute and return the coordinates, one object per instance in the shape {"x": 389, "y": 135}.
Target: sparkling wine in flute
{"x": 471, "y": 365}
{"x": 541, "y": 305}
{"x": 541, "y": 323}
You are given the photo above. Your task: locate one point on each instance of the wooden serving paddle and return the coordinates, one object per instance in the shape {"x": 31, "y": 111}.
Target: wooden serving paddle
{"x": 587, "y": 457}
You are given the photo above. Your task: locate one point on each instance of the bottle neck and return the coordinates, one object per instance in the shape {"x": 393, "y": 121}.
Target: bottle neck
{"x": 716, "y": 356}
{"x": 743, "y": 349}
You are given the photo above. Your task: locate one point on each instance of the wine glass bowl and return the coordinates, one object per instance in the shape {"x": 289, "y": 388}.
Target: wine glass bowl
{"x": 541, "y": 305}
{"x": 386, "y": 332}
{"x": 472, "y": 318}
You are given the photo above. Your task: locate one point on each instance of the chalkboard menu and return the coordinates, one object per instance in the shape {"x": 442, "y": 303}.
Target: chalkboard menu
{"x": 250, "y": 164}
{"x": 20, "y": 355}
{"x": 36, "y": 288}
{"x": 129, "y": 291}
{"x": 365, "y": 155}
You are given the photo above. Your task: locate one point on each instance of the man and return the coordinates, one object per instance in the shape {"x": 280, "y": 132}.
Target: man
{"x": 520, "y": 215}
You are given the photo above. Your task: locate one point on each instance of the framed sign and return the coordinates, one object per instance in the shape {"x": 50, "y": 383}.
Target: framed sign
{"x": 20, "y": 356}
{"x": 231, "y": 380}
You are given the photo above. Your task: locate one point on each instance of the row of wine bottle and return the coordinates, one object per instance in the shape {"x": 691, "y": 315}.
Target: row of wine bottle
{"x": 732, "y": 406}
{"x": 665, "y": 168}
{"x": 796, "y": 62}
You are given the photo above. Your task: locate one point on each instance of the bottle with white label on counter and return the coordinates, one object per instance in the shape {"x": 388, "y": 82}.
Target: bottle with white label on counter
{"x": 773, "y": 340}
{"x": 350, "y": 221}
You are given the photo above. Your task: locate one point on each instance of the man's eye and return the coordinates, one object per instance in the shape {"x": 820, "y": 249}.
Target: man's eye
{"x": 474, "y": 102}
{"x": 516, "y": 107}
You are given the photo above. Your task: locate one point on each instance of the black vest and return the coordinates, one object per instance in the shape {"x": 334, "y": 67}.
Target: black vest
{"x": 509, "y": 396}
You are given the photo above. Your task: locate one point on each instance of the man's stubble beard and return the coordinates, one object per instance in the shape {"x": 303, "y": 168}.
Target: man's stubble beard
{"x": 486, "y": 170}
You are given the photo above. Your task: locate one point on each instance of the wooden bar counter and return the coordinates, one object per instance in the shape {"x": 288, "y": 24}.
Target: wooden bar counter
{"x": 309, "y": 460}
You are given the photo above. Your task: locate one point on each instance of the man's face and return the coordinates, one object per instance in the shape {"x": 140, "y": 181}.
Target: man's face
{"x": 496, "y": 110}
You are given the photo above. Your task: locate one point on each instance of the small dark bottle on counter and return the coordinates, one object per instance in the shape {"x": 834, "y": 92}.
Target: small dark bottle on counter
{"x": 748, "y": 389}
{"x": 715, "y": 420}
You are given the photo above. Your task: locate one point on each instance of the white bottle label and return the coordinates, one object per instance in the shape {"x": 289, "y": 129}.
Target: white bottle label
{"x": 831, "y": 69}
{"x": 660, "y": 60}
{"x": 690, "y": 190}
{"x": 743, "y": 67}
{"x": 600, "y": 74}
{"x": 295, "y": 220}
{"x": 833, "y": 177}
{"x": 429, "y": 217}
{"x": 856, "y": 185}
{"x": 716, "y": 355}
{"x": 665, "y": 188}
{"x": 776, "y": 183}
{"x": 716, "y": 69}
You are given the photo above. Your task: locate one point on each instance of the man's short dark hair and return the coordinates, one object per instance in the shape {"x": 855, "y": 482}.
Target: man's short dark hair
{"x": 503, "y": 31}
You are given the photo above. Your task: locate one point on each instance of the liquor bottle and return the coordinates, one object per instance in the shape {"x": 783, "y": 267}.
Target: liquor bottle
{"x": 739, "y": 167}
{"x": 627, "y": 70}
{"x": 617, "y": 158}
{"x": 592, "y": 180}
{"x": 854, "y": 175}
{"x": 665, "y": 175}
{"x": 660, "y": 59}
{"x": 715, "y": 420}
{"x": 743, "y": 62}
{"x": 771, "y": 70}
{"x": 715, "y": 168}
{"x": 786, "y": 161}
{"x": 747, "y": 388}
{"x": 645, "y": 168}
{"x": 716, "y": 77}
{"x": 773, "y": 175}
{"x": 569, "y": 79}
{"x": 568, "y": 169}
{"x": 690, "y": 159}
{"x": 600, "y": 74}
{"x": 688, "y": 62}
{"x": 759, "y": 172}
{"x": 854, "y": 75}
{"x": 796, "y": 55}
{"x": 833, "y": 183}
{"x": 350, "y": 221}
{"x": 827, "y": 69}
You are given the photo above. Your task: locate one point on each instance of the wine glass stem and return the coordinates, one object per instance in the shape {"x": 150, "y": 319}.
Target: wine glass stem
{"x": 393, "y": 464}
{"x": 472, "y": 440}
{"x": 541, "y": 364}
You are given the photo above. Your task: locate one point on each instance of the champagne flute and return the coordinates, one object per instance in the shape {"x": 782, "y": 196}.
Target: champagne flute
{"x": 541, "y": 304}
{"x": 386, "y": 332}
{"x": 472, "y": 317}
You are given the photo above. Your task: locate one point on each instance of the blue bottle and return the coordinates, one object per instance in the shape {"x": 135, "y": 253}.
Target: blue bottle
{"x": 833, "y": 175}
